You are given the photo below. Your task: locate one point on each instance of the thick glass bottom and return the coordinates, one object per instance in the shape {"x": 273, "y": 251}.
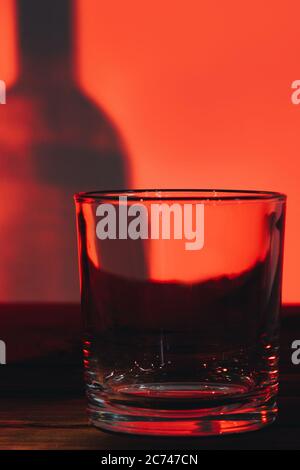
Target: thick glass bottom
{"x": 182, "y": 409}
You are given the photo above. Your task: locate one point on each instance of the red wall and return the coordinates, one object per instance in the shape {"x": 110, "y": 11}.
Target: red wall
{"x": 200, "y": 91}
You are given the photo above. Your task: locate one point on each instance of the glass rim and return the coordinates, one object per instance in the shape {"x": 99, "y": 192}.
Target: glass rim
{"x": 215, "y": 195}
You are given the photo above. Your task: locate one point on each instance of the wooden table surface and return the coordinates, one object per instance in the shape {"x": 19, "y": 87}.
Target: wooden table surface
{"x": 43, "y": 407}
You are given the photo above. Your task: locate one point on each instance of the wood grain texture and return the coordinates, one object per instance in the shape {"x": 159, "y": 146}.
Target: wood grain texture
{"x": 37, "y": 413}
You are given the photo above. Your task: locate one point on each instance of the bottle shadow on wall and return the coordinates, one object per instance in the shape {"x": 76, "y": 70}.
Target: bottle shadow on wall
{"x": 54, "y": 142}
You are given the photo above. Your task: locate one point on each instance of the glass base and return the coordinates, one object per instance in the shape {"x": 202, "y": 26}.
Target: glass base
{"x": 182, "y": 409}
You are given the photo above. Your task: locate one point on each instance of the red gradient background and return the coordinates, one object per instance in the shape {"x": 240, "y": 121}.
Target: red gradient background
{"x": 200, "y": 92}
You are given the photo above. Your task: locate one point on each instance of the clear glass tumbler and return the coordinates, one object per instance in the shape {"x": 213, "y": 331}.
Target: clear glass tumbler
{"x": 181, "y": 294}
